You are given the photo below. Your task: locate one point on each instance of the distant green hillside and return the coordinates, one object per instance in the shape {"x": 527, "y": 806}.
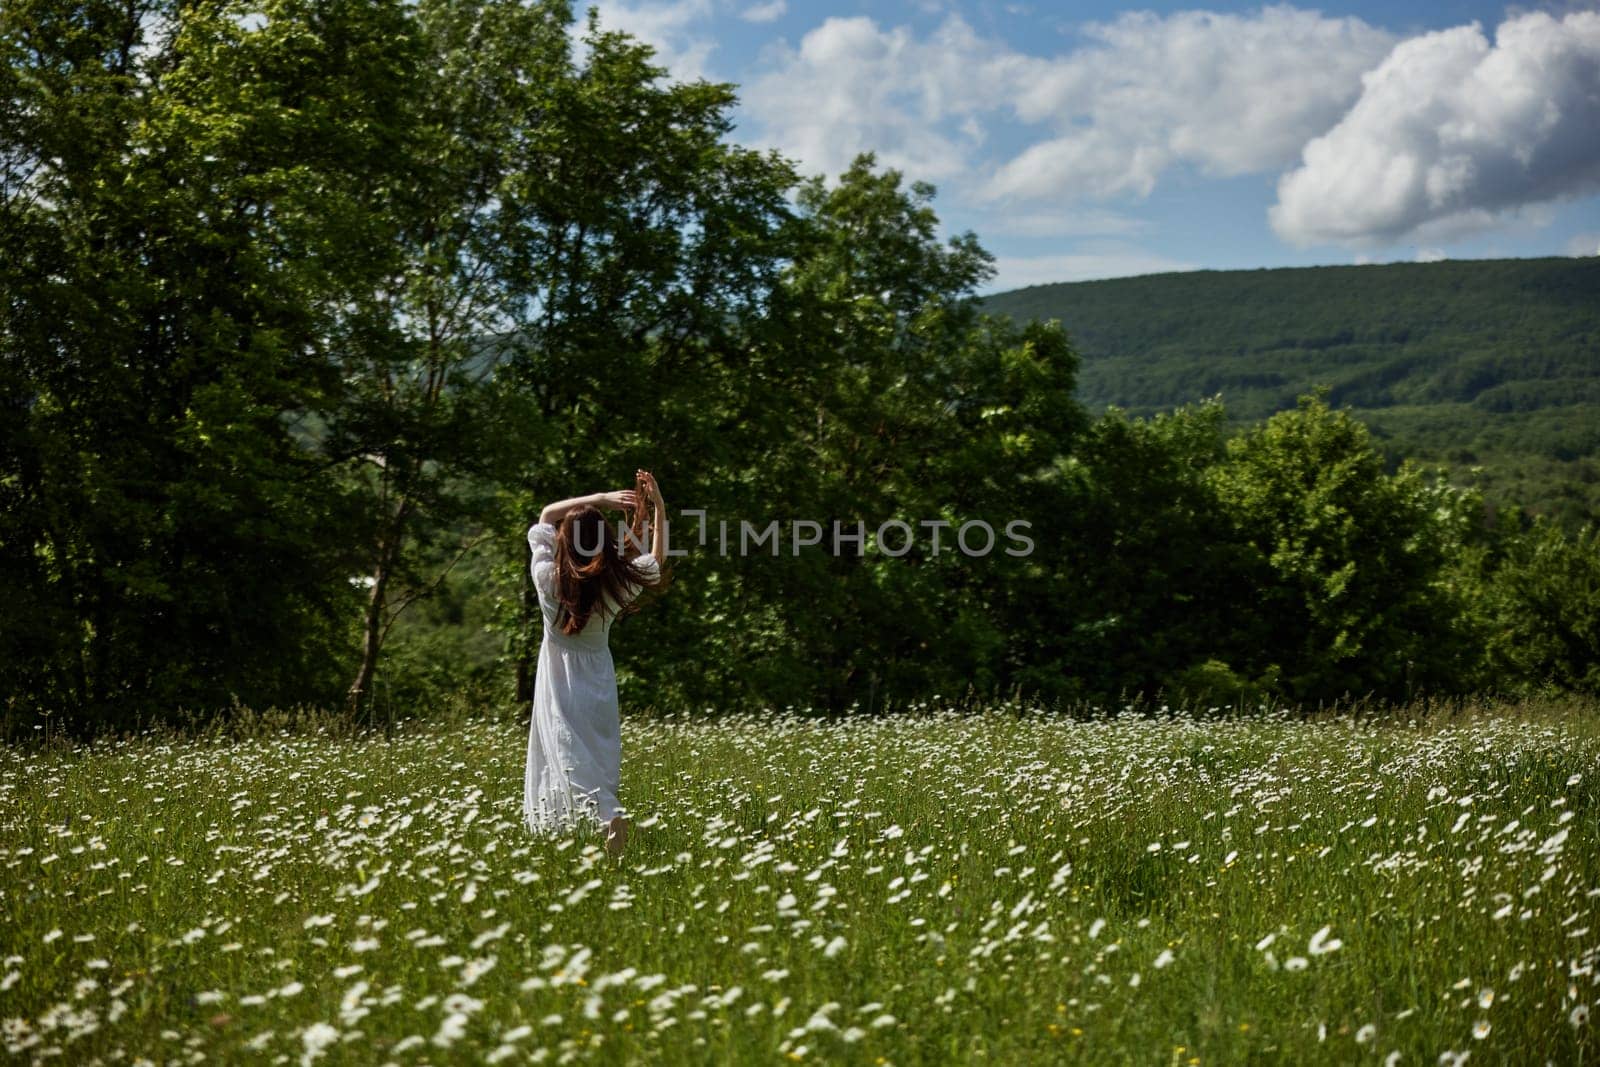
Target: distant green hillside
{"x": 1492, "y": 363}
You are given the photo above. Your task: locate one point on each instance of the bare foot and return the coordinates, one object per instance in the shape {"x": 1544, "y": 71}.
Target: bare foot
{"x": 617, "y": 835}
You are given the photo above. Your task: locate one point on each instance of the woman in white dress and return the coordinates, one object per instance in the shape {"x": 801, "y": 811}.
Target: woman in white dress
{"x": 585, "y": 581}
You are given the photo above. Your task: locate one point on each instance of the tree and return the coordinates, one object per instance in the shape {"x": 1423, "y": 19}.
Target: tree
{"x": 872, "y": 390}
{"x": 185, "y": 216}
{"x": 1353, "y": 598}
{"x": 1543, "y": 616}
{"x": 641, "y": 244}
{"x": 421, "y": 419}
{"x": 1149, "y": 582}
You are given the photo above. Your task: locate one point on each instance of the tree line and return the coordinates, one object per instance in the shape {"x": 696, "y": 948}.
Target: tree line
{"x": 310, "y": 304}
{"x": 1488, "y": 366}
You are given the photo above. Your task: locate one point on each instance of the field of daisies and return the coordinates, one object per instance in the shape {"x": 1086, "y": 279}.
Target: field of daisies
{"x": 936, "y": 886}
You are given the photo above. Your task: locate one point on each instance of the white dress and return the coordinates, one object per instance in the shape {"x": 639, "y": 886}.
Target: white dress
{"x": 574, "y": 738}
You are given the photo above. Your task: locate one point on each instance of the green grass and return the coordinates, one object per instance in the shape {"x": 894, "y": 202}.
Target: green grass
{"x": 925, "y": 888}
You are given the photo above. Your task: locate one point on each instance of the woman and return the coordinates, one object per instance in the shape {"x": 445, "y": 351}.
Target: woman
{"x": 585, "y": 582}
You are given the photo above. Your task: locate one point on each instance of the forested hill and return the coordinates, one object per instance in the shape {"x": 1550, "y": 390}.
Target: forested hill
{"x": 1468, "y": 362}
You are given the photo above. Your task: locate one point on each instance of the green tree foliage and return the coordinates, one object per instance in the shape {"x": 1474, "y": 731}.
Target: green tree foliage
{"x": 1543, "y": 610}
{"x": 644, "y": 245}
{"x": 309, "y": 305}
{"x": 864, "y": 388}
{"x": 422, "y": 421}
{"x": 1486, "y": 364}
{"x": 1150, "y": 572}
{"x": 183, "y": 214}
{"x": 1352, "y": 597}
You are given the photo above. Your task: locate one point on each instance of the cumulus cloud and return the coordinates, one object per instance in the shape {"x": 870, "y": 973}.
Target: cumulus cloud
{"x": 768, "y": 12}
{"x": 851, "y": 87}
{"x": 1228, "y": 94}
{"x": 1452, "y": 133}
{"x": 1379, "y": 141}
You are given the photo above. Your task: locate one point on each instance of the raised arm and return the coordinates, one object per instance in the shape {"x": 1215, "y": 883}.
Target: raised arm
{"x": 618, "y": 498}
{"x": 658, "y": 525}
{"x": 658, "y": 518}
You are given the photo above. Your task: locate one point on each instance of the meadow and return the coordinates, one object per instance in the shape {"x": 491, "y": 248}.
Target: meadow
{"x": 940, "y": 885}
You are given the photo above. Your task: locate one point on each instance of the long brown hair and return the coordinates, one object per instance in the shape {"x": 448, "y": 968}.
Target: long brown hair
{"x": 637, "y": 531}
{"x": 590, "y": 568}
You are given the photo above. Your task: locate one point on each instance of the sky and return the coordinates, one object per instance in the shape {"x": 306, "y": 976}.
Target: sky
{"x": 1096, "y": 140}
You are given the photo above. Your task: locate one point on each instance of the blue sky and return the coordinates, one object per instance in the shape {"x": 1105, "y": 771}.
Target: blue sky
{"x": 1098, "y": 140}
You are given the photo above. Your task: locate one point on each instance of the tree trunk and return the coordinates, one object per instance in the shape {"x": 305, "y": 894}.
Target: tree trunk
{"x": 372, "y": 635}
{"x": 390, "y": 539}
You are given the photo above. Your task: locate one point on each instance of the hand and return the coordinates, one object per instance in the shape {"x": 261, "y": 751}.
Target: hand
{"x": 650, "y": 486}
{"x": 626, "y": 499}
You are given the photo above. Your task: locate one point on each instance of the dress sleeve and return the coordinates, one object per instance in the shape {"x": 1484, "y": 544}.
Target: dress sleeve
{"x": 542, "y": 539}
{"x": 649, "y": 565}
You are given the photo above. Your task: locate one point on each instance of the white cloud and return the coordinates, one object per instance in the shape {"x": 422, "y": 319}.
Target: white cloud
{"x": 1228, "y": 94}
{"x": 675, "y": 29}
{"x": 768, "y": 12}
{"x": 1584, "y": 244}
{"x": 1417, "y": 143}
{"x": 1451, "y": 135}
{"x": 1109, "y": 261}
{"x": 1429, "y": 255}
{"x": 852, "y": 87}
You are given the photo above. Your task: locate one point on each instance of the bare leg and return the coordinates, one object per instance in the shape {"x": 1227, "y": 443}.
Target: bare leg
{"x": 617, "y": 835}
